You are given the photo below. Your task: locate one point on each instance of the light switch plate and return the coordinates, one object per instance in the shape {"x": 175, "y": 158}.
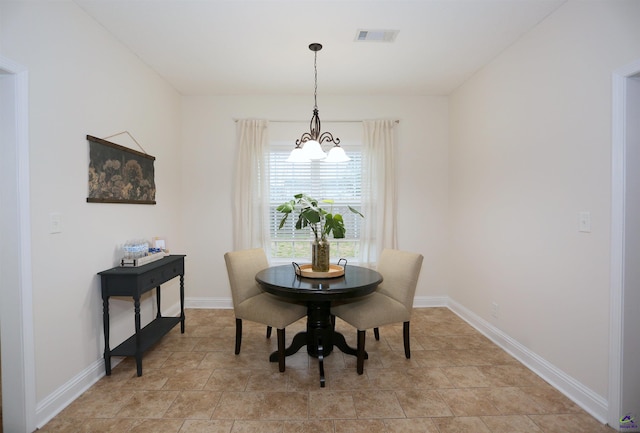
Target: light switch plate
{"x": 55, "y": 222}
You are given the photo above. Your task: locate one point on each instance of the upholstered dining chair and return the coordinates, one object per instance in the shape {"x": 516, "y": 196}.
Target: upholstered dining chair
{"x": 392, "y": 301}
{"x": 253, "y": 304}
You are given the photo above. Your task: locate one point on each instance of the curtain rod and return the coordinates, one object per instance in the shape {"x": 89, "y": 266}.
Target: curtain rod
{"x": 306, "y": 121}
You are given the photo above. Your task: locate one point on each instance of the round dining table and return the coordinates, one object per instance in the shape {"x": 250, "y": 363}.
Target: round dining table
{"x": 318, "y": 294}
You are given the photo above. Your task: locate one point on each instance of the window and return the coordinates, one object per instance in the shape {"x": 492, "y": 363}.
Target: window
{"x": 340, "y": 182}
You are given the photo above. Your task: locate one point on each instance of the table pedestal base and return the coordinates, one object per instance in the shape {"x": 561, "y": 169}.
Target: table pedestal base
{"x": 320, "y": 337}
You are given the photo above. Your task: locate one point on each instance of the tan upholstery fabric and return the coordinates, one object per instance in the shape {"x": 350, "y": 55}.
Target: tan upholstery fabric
{"x": 270, "y": 310}
{"x": 393, "y": 300}
{"x": 250, "y": 302}
{"x": 372, "y": 311}
{"x": 400, "y": 270}
{"x": 242, "y": 266}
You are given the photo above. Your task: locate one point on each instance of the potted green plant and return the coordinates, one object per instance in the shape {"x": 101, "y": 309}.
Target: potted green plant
{"x": 321, "y": 222}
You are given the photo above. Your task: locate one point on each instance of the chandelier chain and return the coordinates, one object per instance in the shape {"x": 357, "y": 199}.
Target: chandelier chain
{"x": 315, "y": 89}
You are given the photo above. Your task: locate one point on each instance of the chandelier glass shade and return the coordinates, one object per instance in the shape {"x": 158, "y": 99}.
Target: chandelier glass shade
{"x": 309, "y": 145}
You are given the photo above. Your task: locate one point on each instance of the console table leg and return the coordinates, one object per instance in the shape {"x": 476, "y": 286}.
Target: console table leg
{"x": 105, "y": 325}
{"x": 158, "y": 302}
{"x": 136, "y": 307}
{"x": 182, "y": 303}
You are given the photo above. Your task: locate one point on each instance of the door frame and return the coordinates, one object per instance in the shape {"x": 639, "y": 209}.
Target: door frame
{"x": 618, "y": 208}
{"x": 16, "y": 301}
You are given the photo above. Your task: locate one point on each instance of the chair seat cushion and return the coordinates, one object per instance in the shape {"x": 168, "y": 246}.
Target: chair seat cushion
{"x": 372, "y": 311}
{"x": 270, "y": 310}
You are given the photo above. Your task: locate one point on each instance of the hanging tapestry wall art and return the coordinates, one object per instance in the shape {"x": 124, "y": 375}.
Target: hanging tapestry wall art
{"x": 118, "y": 174}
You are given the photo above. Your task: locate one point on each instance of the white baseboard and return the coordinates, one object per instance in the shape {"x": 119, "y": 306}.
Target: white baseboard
{"x": 430, "y": 301}
{"x": 209, "y": 303}
{"x": 587, "y": 399}
{"x": 584, "y": 397}
{"x": 51, "y": 405}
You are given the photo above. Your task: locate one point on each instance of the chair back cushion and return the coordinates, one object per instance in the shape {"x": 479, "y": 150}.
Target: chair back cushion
{"x": 400, "y": 270}
{"x": 242, "y": 267}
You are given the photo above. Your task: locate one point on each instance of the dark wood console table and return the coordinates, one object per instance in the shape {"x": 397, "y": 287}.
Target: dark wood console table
{"x": 133, "y": 282}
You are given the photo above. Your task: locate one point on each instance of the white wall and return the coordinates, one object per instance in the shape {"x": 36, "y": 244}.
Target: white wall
{"x": 530, "y": 148}
{"x": 83, "y": 82}
{"x": 209, "y": 150}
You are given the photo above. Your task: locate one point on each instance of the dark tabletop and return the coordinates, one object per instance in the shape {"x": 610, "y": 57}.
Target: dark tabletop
{"x": 282, "y": 281}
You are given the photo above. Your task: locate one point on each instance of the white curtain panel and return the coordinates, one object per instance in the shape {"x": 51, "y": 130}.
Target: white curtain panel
{"x": 250, "y": 208}
{"x": 379, "y": 203}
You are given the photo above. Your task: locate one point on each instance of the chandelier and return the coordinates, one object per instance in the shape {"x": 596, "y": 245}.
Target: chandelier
{"x": 309, "y": 146}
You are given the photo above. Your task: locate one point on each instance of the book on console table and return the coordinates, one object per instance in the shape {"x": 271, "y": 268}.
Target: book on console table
{"x": 129, "y": 263}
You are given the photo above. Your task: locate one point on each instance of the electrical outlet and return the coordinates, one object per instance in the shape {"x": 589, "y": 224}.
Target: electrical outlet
{"x": 584, "y": 222}
{"x": 495, "y": 309}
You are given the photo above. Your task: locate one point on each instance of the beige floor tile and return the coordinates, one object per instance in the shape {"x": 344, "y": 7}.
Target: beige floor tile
{"x": 184, "y": 360}
{"x": 152, "y": 359}
{"x": 410, "y": 425}
{"x": 468, "y": 402}
{"x": 428, "y": 378}
{"x": 176, "y": 343}
{"x": 285, "y": 405}
{"x": 511, "y": 375}
{"x": 111, "y": 425}
{"x": 389, "y": 378}
{"x": 461, "y": 425}
{"x": 206, "y": 426}
{"x": 422, "y": 403}
{"x": 467, "y": 377}
{"x": 97, "y": 404}
{"x": 395, "y": 359}
{"x": 193, "y": 405}
{"x": 93, "y": 425}
{"x": 569, "y": 423}
{"x": 435, "y": 342}
{"x": 438, "y": 358}
{"x": 239, "y": 405}
{"x": 147, "y": 404}
{"x": 157, "y": 426}
{"x": 331, "y": 404}
{"x": 244, "y": 426}
{"x": 456, "y": 381}
{"x": 511, "y": 424}
{"x": 510, "y": 400}
{"x": 360, "y": 426}
{"x": 379, "y": 404}
{"x": 303, "y": 379}
{"x": 346, "y": 379}
{"x": 222, "y": 379}
{"x": 151, "y": 379}
{"x": 267, "y": 380}
{"x": 309, "y": 426}
{"x": 187, "y": 379}
{"x": 551, "y": 400}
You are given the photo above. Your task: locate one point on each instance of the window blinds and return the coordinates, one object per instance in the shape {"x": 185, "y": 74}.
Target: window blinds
{"x": 340, "y": 182}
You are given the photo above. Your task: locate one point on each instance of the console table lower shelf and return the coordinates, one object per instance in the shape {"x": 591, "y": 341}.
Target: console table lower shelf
{"x": 149, "y": 335}
{"x": 133, "y": 282}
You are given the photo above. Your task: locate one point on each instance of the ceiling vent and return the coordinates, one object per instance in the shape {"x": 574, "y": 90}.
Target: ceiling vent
{"x": 376, "y": 35}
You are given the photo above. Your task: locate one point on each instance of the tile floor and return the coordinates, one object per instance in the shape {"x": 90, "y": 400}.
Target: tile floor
{"x": 456, "y": 381}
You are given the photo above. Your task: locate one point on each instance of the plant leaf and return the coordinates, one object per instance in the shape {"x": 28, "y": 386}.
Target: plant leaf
{"x": 311, "y": 215}
{"x": 355, "y": 211}
{"x": 283, "y": 220}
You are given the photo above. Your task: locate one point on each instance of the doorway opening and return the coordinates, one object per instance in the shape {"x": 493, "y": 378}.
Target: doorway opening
{"x": 16, "y": 319}
{"x": 624, "y": 352}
